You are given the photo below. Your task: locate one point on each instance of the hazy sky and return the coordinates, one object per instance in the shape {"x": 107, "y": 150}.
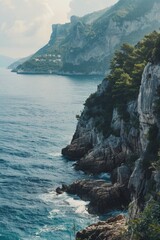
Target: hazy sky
{"x": 25, "y": 25}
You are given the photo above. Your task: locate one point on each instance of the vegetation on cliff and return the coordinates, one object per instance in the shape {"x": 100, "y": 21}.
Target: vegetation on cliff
{"x": 124, "y": 81}
{"x": 123, "y": 86}
{"x": 121, "y": 123}
{"x": 147, "y": 224}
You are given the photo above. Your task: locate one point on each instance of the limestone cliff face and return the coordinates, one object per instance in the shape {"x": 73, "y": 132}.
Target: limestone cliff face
{"x": 146, "y": 101}
{"x": 86, "y": 44}
{"x": 101, "y": 153}
{"x": 139, "y": 182}
{"x": 126, "y": 142}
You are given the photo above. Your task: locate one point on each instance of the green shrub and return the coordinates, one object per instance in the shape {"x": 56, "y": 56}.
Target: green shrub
{"x": 124, "y": 80}
{"x": 147, "y": 225}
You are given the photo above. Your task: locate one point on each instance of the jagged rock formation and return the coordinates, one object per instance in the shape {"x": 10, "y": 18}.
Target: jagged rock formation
{"x": 112, "y": 229}
{"x": 142, "y": 176}
{"x": 104, "y": 197}
{"x": 129, "y": 149}
{"x": 146, "y": 101}
{"x": 98, "y": 153}
{"x": 105, "y": 154}
{"x": 86, "y": 44}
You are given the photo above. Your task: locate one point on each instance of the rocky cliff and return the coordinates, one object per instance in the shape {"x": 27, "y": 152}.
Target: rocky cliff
{"x": 96, "y": 151}
{"x": 86, "y": 44}
{"x": 122, "y": 138}
{"x": 144, "y": 180}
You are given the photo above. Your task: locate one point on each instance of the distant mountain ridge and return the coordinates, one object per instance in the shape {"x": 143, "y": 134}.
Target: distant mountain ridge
{"x": 86, "y": 44}
{"x": 5, "y": 61}
{"x": 14, "y": 64}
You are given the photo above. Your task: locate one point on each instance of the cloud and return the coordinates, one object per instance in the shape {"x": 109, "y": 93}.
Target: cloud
{"x": 25, "y": 25}
{"x": 82, "y": 7}
{"x": 7, "y": 3}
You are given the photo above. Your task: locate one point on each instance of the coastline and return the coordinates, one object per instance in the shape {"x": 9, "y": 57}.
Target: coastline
{"x": 91, "y": 74}
{"x": 103, "y": 199}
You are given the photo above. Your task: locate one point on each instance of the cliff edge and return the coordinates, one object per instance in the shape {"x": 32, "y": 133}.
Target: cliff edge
{"x": 119, "y": 130}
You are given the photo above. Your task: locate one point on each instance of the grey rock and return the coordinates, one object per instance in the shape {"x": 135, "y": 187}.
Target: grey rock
{"x": 157, "y": 180}
{"x": 108, "y": 230}
{"x": 104, "y": 154}
{"x": 123, "y": 174}
{"x": 103, "y": 196}
{"x": 146, "y": 101}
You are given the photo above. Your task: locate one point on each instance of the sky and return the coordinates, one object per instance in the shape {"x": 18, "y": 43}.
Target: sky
{"x": 25, "y": 25}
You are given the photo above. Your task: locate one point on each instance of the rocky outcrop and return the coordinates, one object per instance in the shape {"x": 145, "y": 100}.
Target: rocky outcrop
{"x": 112, "y": 229}
{"x": 86, "y": 44}
{"x": 129, "y": 152}
{"x": 98, "y": 153}
{"x": 104, "y": 197}
{"x": 146, "y": 101}
{"x": 77, "y": 150}
{"x": 141, "y": 176}
{"x": 137, "y": 186}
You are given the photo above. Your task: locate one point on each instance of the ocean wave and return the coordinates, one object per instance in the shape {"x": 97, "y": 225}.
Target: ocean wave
{"x": 55, "y": 154}
{"x": 80, "y": 205}
{"x": 64, "y": 200}
{"x": 53, "y": 213}
{"x": 34, "y": 126}
{"x": 46, "y": 229}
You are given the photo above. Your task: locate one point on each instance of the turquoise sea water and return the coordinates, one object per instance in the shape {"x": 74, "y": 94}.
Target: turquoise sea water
{"x": 37, "y": 119}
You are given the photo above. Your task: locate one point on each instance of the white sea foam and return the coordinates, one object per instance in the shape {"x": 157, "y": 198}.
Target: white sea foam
{"x": 53, "y": 197}
{"x": 53, "y": 213}
{"x": 46, "y": 229}
{"x": 48, "y": 197}
{"x": 63, "y": 200}
{"x": 78, "y": 204}
{"x": 55, "y": 154}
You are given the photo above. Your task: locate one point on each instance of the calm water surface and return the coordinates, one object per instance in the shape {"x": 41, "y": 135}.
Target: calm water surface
{"x": 37, "y": 119}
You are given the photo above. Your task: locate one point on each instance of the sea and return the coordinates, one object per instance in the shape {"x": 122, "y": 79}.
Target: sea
{"x": 37, "y": 119}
